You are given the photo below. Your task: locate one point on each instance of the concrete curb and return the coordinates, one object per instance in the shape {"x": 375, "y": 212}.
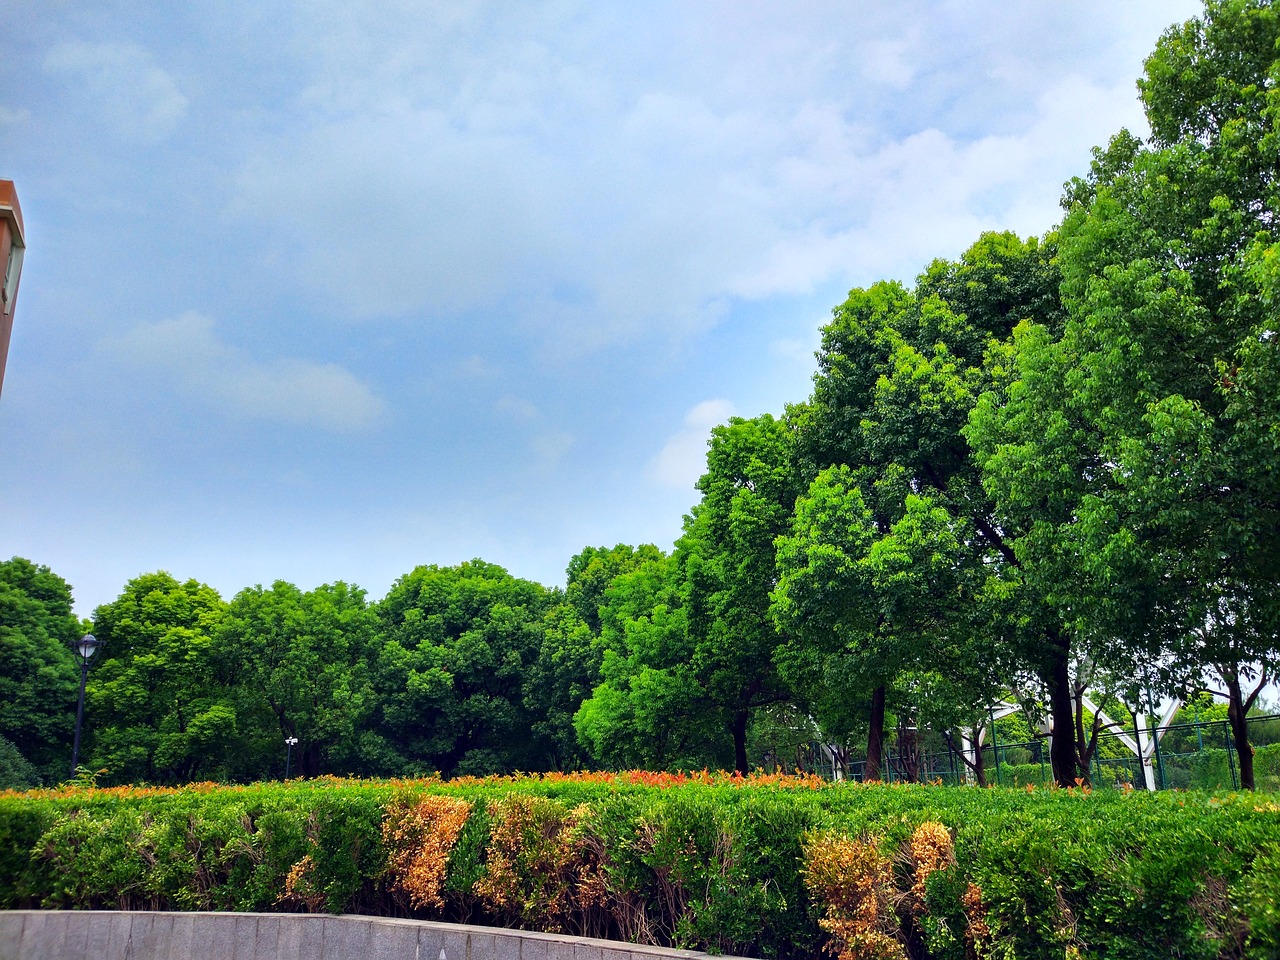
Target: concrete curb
{"x": 147, "y": 935}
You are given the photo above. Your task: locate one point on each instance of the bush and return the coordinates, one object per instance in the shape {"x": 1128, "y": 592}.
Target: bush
{"x": 16, "y": 773}
{"x": 771, "y": 866}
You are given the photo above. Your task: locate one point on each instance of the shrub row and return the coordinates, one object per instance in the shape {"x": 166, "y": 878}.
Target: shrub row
{"x": 771, "y": 866}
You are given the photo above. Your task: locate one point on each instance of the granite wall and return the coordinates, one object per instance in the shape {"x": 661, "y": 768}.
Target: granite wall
{"x": 141, "y": 935}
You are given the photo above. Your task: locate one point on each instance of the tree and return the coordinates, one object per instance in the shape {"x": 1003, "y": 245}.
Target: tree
{"x": 457, "y": 644}
{"x": 558, "y": 680}
{"x": 298, "y": 664}
{"x": 592, "y": 571}
{"x": 649, "y": 709}
{"x": 567, "y": 668}
{"x": 726, "y": 561}
{"x": 868, "y": 611}
{"x": 689, "y": 636}
{"x": 899, "y": 373}
{"x": 1148, "y": 427}
{"x": 154, "y": 711}
{"x": 824, "y": 601}
{"x": 38, "y": 672}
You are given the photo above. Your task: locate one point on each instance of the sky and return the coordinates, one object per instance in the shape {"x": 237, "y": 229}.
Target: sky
{"x": 329, "y": 289}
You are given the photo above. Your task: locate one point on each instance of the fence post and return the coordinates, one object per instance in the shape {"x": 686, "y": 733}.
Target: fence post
{"x": 1231, "y": 758}
{"x": 995, "y": 745}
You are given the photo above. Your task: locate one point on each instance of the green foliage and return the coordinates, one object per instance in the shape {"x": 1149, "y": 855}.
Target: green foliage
{"x": 38, "y": 671}
{"x": 708, "y": 863}
{"x": 650, "y": 709}
{"x": 456, "y": 645}
{"x": 154, "y": 710}
{"x": 1138, "y": 448}
{"x": 688, "y": 636}
{"x": 298, "y": 666}
{"x": 16, "y": 773}
{"x": 893, "y": 577}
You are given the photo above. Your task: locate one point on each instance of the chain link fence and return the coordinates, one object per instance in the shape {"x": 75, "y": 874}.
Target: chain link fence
{"x": 1186, "y": 756}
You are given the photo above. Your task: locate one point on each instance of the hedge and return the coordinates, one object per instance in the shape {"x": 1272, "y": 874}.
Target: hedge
{"x": 768, "y": 866}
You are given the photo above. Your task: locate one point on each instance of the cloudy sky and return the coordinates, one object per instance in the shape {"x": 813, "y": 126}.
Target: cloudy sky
{"x": 328, "y": 289}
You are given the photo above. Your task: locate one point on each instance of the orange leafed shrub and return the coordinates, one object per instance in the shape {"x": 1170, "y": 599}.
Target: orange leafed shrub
{"x": 536, "y": 864}
{"x": 930, "y": 849}
{"x": 419, "y": 836}
{"x": 975, "y": 913}
{"x": 854, "y": 881}
{"x": 300, "y": 886}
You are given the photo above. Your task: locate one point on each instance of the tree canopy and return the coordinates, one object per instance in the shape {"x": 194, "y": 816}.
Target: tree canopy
{"x": 1048, "y": 469}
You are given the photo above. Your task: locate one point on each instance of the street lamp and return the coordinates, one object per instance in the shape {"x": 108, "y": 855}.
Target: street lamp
{"x": 288, "y": 753}
{"x": 85, "y": 648}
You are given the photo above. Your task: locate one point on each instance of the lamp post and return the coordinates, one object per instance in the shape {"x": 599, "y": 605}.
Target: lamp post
{"x": 85, "y": 648}
{"x": 288, "y": 753}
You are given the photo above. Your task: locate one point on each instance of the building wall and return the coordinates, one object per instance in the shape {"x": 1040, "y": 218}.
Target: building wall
{"x": 12, "y": 247}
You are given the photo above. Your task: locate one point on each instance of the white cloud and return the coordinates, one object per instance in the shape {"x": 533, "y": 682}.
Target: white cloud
{"x": 122, "y": 85}
{"x": 889, "y": 62}
{"x": 13, "y": 115}
{"x": 546, "y": 444}
{"x": 518, "y": 408}
{"x": 683, "y": 458}
{"x": 482, "y": 164}
{"x": 551, "y": 447}
{"x": 796, "y": 350}
{"x": 187, "y": 356}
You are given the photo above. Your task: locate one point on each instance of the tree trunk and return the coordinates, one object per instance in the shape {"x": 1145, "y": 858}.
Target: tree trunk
{"x": 1062, "y": 753}
{"x": 1237, "y": 720}
{"x": 1084, "y": 752}
{"x": 979, "y": 761}
{"x": 978, "y": 765}
{"x": 738, "y": 727}
{"x": 909, "y": 751}
{"x": 875, "y": 735}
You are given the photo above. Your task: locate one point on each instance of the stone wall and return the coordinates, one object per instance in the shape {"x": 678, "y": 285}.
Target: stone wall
{"x": 141, "y": 935}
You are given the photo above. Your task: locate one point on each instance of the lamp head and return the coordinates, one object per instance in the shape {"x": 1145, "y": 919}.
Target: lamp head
{"x": 86, "y": 647}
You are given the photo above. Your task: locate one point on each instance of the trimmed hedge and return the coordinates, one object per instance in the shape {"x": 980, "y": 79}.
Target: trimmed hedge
{"x": 768, "y": 866}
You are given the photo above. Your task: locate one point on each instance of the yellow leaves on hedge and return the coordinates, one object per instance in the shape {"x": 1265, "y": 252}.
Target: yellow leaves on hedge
{"x": 865, "y": 911}
{"x": 539, "y": 865}
{"x": 930, "y": 849}
{"x": 300, "y": 886}
{"x": 419, "y": 835}
{"x": 854, "y": 880}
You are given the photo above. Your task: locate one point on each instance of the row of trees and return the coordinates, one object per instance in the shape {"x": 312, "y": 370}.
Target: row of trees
{"x": 1049, "y": 465}
{"x": 461, "y": 670}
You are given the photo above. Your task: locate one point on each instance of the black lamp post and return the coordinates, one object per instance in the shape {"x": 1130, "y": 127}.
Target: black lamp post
{"x": 288, "y": 754}
{"x": 85, "y": 648}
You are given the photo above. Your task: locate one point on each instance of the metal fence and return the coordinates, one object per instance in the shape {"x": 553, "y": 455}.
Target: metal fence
{"x": 1184, "y": 756}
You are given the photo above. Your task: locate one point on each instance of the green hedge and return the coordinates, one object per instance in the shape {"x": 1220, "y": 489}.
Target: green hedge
{"x": 712, "y": 863}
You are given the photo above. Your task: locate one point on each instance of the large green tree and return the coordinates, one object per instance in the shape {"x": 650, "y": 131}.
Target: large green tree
{"x": 1141, "y": 448}
{"x": 297, "y": 665}
{"x": 591, "y": 573}
{"x": 457, "y": 644}
{"x": 727, "y": 565}
{"x": 155, "y": 711}
{"x": 690, "y": 636}
{"x": 38, "y": 673}
{"x": 899, "y": 372}
{"x": 567, "y": 669}
{"x": 649, "y": 709}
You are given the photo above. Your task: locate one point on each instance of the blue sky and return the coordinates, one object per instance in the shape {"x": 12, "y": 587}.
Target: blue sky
{"x": 326, "y": 290}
